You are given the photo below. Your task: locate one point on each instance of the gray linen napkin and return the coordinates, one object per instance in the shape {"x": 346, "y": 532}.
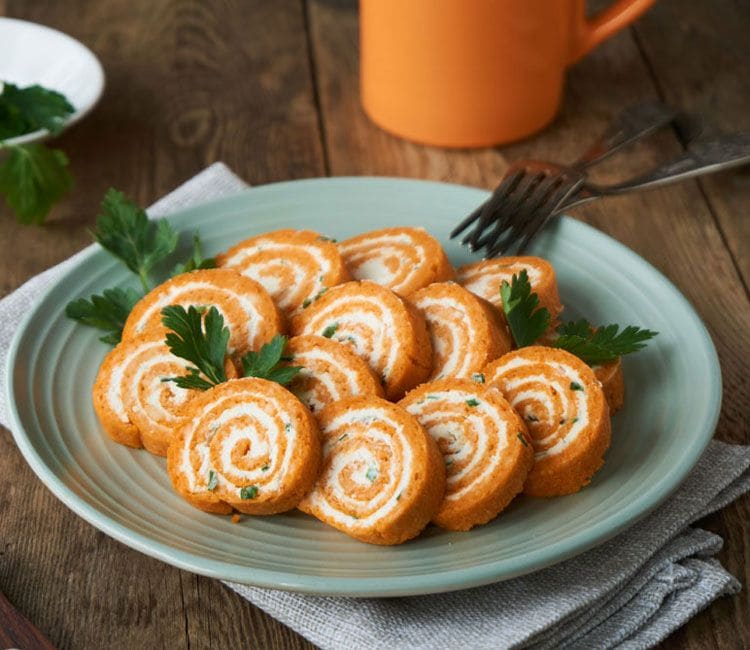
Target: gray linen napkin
{"x": 630, "y": 592}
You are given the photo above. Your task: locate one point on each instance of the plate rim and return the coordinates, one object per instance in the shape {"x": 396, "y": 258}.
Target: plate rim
{"x": 98, "y": 81}
{"x": 396, "y": 586}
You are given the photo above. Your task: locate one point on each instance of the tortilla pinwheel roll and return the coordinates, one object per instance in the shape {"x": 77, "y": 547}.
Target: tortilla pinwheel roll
{"x": 466, "y": 331}
{"x": 248, "y": 311}
{"x": 612, "y": 379}
{"x": 382, "y": 476}
{"x": 485, "y": 279}
{"x": 609, "y": 374}
{"x": 329, "y": 372}
{"x": 401, "y": 259}
{"x": 382, "y": 328}
{"x": 294, "y": 266}
{"x": 484, "y": 445}
{"x": 565, "y": 412}
{"x": 136, "y": 408}
{"x": 248, "y": 445}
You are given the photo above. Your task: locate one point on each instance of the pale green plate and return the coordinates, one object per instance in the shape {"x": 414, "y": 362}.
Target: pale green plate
{"x": 673, "y": 399}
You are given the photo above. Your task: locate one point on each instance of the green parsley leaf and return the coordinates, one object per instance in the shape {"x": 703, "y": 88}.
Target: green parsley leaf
{"x": 527, "y": 321}
{"x": 23, "y": 110}
{"x": 265, "y": 363}
{"x": 249, "y": 492}
{"x": 602, "y": 344}
{"x": 329, "y": 331}
{"x": 107, "y": 312}
{"x": 125, "y": 231}
{"x": 32, "y": 179}
{"x": 196, "y": 261}
{"x": 202, "y": 341}
{"x": 213, "y": 480}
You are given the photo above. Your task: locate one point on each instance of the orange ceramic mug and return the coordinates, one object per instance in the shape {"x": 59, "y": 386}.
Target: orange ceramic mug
{"x": 472, "y": 73}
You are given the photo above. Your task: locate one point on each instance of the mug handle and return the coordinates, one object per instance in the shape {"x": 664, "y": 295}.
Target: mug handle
{"x": 590, "y": 33}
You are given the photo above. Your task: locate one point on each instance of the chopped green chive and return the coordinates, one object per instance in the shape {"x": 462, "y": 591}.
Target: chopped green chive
{"x": 532, "y": 418}
{"x": 288, "y": 427}
{"x": 321, "y": 292}
{"x": 522, "y": 438}
{"x": 398, "y": 496}
{"x": 371, "y": 474}
{"x": 324, "y": 238}
{"x": 249, "y": 492}
{"x": 478, "y": 377}
{"x": 329, "y": 331}
{"x": 432, "y": 397}
{"x": 213, "y": 480}
{"x": 574, "y": 385}
{"x": 306, "y": 303}
{"x": 472, "y": 402}
{"x": 448, "y": 461}
{"x": 574, "y": 420}
{"x": 343, "y": 437}
{"x": 265, "y": 468}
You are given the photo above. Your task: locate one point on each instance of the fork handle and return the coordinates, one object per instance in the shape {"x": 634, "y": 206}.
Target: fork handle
{"x": 633, "y": 123}
{"x": 703, "y": 157}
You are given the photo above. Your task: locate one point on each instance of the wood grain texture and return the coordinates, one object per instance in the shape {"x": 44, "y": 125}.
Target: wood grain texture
{"x": 271, "y": 89}
{"x": 188, "y": 83}
{"x": 709, "y": 77}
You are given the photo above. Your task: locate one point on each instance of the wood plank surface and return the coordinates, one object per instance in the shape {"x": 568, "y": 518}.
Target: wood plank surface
{"x": 188, "y": 83}
{"x": 271, "y": 89}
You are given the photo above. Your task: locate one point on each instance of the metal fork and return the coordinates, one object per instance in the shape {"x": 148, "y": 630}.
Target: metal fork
{"x": 532, "y": 192}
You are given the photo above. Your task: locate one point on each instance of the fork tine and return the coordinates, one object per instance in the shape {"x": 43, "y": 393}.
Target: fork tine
{"x": 506, "y": 188}
{"x": 477, "y": 213}
{"x": 505, "y": 215}
{"x": 552, "y": 208}
{"x": 515, "y": 215}
{"x": 535, "y": 214}
{"x": 467, "y": 221}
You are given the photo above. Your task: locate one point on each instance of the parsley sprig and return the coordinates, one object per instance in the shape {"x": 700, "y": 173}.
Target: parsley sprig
{"x": 601, "y": 344}
{"x": 124, "y": 230}
{"x": 33, "y": 177}
{"x": 107, "y": 312}
{"x": 527, "y": 321}
{"x": 593, "y": 345}
{"x": 202, "y": 340}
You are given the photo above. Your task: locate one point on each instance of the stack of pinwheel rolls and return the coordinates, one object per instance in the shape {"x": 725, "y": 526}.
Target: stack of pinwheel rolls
{"x": 411, "y": 405}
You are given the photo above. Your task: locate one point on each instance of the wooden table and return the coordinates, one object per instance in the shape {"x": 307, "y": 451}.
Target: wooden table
{"x": 270, "y": 88}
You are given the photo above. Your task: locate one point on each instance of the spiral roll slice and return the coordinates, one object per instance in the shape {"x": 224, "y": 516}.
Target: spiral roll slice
{"x": 485, "y": 279}
{"x": 247, "y": 445}
{"x": 610, "y": 375}
{"x": 402, "y": 259}
{"x": 294, "y": 266}
{"x": 484, "y": 444}
{"x": 466, "y": 331}
{"x": 612, "y": 379}
{"x": 382, "y": 328}
{"x": 329, "y": 372}
{"x": 382, "y": 477}
{"x": 565, "y": 412}
{"x": 136, "y": 408}
{"x": 248, "y": 311}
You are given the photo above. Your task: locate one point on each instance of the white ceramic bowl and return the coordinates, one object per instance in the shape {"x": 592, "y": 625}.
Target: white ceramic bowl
{"x": 34, "y": 54}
